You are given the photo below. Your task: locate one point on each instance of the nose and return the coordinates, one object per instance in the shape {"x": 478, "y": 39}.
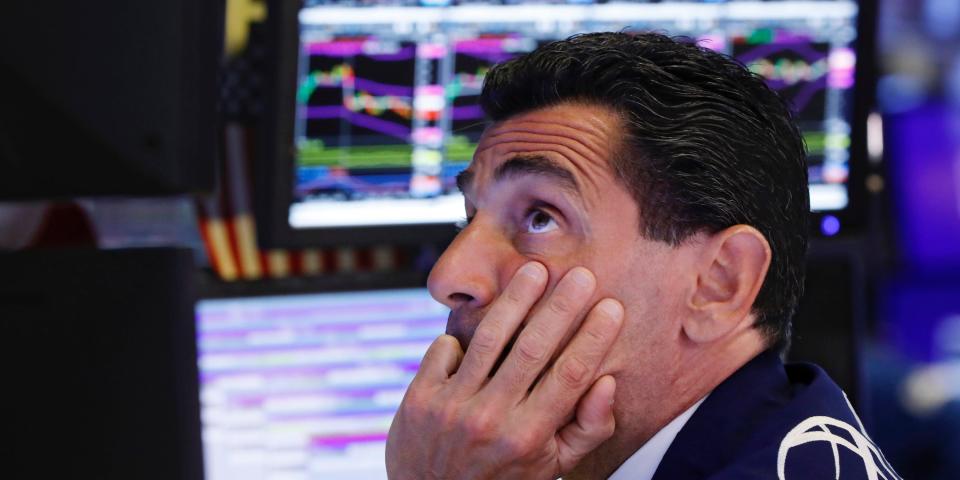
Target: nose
{"x": 469, "y": 271}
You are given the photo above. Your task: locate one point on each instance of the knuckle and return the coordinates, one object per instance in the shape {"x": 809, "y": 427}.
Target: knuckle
{"x": 572, "y": 372}
{"x": 479, "y": 426}
{"x": 561, "y": 305}
{"x": 530, "y": 348}
{"x": 485, "y": 340}
{"x": 518, "y": 445}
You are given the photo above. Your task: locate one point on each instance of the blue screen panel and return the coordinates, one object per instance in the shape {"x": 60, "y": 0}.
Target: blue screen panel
{"x": 924, "y": 157}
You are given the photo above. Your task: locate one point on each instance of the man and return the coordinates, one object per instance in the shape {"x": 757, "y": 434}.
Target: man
{"x": 634, "y": 250}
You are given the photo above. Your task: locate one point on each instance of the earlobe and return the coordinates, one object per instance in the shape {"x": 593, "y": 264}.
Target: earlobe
{"x": 730, "y": 272}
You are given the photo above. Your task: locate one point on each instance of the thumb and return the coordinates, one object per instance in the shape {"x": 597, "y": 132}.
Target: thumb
{"x": 592, "y": 425}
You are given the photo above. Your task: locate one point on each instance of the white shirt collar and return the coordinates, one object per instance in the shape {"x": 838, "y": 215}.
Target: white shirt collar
{"x": 643, "y": 464}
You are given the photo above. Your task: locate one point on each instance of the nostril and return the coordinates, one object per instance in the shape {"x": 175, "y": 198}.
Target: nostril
{"x": 460, "y": 298}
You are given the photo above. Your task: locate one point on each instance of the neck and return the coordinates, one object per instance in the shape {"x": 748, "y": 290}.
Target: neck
{"x": 641, "y": 411}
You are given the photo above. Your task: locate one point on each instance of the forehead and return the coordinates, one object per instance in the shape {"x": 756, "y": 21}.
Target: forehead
{"x": 581, "y": 137}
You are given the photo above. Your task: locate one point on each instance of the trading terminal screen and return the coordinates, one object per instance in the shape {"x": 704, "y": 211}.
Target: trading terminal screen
{"x": 305, "y": 386}
{"x": 387, "y": 94}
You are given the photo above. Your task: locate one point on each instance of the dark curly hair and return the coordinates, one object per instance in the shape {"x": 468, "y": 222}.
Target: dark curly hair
{"x": 707, "y": 144}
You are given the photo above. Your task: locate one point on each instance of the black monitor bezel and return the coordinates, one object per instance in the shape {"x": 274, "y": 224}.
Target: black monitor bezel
{"x": 274, "y": 164}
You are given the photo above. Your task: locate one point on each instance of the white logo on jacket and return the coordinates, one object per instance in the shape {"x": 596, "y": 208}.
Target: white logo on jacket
{"x": 818, "y": 429}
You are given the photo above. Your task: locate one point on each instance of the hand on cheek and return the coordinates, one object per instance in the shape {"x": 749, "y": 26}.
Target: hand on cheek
{"x": 456, "y": 421}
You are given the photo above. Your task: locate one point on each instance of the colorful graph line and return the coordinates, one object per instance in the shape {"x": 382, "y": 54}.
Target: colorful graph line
{"x": 359, "y": 119}
{"x": 463, "y": 84}
{"x": 787, "y": 72}
{"x": 343, "y": 75}
{"x": 810, "y": 71}
{"x": 377, "y": 105}
{"x": 335, "y": 77}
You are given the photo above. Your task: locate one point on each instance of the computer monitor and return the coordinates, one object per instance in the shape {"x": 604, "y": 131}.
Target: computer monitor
{"x": 108, "y": 97}
{"x": 98, "y": 361}
{"x": 306, "y": 385}
{"x": 376, "y": 103}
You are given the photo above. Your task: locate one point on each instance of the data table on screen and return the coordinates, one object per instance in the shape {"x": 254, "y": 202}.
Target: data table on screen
{"x": 305, "y": 386}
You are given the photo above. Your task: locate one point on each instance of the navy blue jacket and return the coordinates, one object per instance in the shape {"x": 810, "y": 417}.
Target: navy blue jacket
{"x": 774, "y": 421}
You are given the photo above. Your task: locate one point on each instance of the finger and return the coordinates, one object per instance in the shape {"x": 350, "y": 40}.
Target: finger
{"x": 541, "y": 336}
{"x": 574, "y": 371}
{"x": 441, "y": 360}
{"x": 498, "y": 325}
{"x": 594, "y": 423}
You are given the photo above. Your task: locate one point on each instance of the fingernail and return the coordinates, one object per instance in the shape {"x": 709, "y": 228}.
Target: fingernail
{"x": 582, "y": 277}
{"x": 611, "y": 307}
{"x": 533, "y": 270}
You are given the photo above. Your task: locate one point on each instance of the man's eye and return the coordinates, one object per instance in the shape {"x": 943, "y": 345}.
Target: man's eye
{"x": 538, "y": 221}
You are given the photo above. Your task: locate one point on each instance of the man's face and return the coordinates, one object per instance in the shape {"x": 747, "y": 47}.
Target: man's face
{"x": 542, "y": 187}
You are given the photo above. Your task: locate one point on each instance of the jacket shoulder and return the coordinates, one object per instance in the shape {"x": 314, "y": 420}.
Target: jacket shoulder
{"x": 774, "y": 421}
{"x": 817, "y": 435}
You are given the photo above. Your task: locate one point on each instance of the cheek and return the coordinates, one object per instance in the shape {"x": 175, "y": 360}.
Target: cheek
{"x": 646, "y": 283}
{"x": 648, "y": 289}
{"x": 559, "y": 255}
{"x": 618, "y": 275}
{"x": 551, "y": 248}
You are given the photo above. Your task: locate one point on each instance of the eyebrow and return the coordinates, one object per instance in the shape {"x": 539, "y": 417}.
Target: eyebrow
{"x": 526, "y": 165}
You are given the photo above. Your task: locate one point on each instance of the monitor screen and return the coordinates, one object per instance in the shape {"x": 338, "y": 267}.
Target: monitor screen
{"x": 305, "y": 386}
{"x": 387, "y": 106}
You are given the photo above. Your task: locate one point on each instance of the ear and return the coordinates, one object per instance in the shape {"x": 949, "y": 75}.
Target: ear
{"x": 730, "y": 271}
